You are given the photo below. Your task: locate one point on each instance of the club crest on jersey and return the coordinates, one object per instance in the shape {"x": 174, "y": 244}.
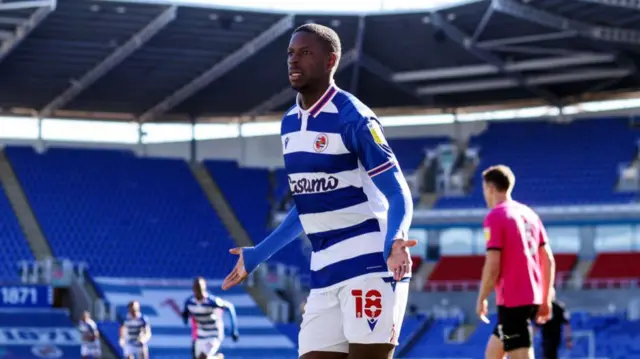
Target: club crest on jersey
{"x": 321, "y": 142}
{"x": 368, "y": 305}
{"x": 487, "y": 234}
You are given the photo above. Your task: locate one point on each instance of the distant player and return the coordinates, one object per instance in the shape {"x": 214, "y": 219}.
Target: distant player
{"x": 204, "y": 308}
{"x": 90, "y": 347}
{"x": 352, "y": 201}
{"x": 519, "y": 265}
{"x": 135, "y": 333}
{"x": 552, "y": 330}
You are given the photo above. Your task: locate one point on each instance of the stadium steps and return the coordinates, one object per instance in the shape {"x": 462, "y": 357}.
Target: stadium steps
{"x": 423, "y": 273}
{"x": 27, "y": 219}
{"x": 405, "y": 349}
{"x": 261, "y": 293}
{"x": 579, "y": 274}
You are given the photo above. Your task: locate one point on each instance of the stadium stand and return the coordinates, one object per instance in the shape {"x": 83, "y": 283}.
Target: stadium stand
{"x": 162, "y": 303}
{"x": 595, "y": 336}
{"x": 91, "y": 200}
{"x": 464, "y": 272}
{"x": 133, "y": 218}
{"x": 44, "y": 333}
{"x": 15, "y": 247}
{"x": 557, "y": 164}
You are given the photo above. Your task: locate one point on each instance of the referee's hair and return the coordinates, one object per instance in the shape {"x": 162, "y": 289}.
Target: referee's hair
{"x": 501, "y": 177}
{"x": 326, "y": 35}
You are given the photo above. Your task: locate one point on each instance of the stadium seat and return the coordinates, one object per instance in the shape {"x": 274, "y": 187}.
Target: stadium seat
{"x": 125, "y": 216}
{"x": 14, "y": 245}
{"x": 556, "y": 164}
{"x": 614, "y": 270}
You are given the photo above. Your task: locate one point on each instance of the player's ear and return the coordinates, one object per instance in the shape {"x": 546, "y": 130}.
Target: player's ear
{"x": 333, "y": 59}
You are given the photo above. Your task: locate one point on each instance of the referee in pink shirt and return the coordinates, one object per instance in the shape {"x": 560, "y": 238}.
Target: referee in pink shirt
{"x": 519, "y": 266}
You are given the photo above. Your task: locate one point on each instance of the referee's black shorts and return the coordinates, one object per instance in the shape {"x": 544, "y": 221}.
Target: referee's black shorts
{"x": 550, "y": 350}
{"x": 514, "y": 326}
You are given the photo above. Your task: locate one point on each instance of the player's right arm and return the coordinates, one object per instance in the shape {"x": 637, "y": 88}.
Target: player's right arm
{"x": 185, "y": 312}
{"x": 491, "y": 271}
{"x": 251, "y": 257}
{"x": 548, "y": 269}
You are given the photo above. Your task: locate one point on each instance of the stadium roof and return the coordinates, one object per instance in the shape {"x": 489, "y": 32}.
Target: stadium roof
{"x": 108, "y": 59}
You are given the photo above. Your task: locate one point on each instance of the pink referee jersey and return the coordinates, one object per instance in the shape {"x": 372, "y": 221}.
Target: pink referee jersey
{"x": 517, "y": 231}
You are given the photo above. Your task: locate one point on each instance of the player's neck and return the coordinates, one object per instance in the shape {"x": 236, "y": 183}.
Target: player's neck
{"x": 500, "y": 198}
{"x": 311, "y": 95}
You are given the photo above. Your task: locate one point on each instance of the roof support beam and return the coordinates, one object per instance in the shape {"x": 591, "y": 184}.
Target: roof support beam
{"x": 572, "y": 76}
{"x": 19, "y": 5}
{"x": 120, "y": 54}
{"x": 602, "y": 33}
{"x": 525, "y": 39}
{"x": 578, "y": 59}
{"x": 24, "y": 29}
{"x": 625, "y": 4}
{"x": 463, "y": 40}
{"x": 221, "y": 68}
{"x": 287, "y": 94}
{"x": 372, "y": 65}
{"x": 353, "y": 88}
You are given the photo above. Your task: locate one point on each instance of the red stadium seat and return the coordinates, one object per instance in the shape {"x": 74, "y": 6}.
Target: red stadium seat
{"x": 417, "y": 261}
{"x": 613, "y": 270}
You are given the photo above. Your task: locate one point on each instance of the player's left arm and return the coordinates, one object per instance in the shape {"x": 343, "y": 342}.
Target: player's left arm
{"x": 146, "y": 331}
{"x": 366, "y": 139}
{"x": 491, "y": 270}
{"x": 225, "y": 304}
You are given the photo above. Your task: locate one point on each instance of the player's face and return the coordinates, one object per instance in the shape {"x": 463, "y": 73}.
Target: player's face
{"x": 308, "y": 61}
{"x": 487, "y": 191}
{"x": 85, "y": 316}
{"x": 134, "y": 308}
{"x": 199, "y": 287}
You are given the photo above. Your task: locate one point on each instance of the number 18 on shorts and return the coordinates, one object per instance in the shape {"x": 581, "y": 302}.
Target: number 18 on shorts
{"x": 367, "y": 311}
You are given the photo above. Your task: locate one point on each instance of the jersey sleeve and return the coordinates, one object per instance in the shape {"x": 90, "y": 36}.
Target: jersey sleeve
{"x": 493, "y": 232}
{"x": 366, "y": 139}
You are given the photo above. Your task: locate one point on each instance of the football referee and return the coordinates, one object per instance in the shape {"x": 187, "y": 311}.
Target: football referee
{"x": 552, "y": 331}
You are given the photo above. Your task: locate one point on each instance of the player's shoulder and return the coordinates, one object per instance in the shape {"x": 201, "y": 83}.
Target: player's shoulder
{"x": 528, "y": 212}
{"x": 190, "y": 300}
{"x": 351, "y": 109}
{"x": 215, "y": 300}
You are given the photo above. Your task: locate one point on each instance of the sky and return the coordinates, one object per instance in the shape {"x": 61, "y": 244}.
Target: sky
{"x": 322, "y": 5}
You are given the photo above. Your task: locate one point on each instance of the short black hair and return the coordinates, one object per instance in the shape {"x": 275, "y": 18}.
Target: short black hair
{"x": 327, "y": 35}
{"x": 500, "y": 176}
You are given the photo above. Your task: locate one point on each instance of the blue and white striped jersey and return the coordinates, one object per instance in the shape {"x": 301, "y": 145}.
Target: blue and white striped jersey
{"x": 207, "y": 314}
{"x": 88, "y": 327}
{"x": 133, "y": 327}
{"x": 331, "y": 153}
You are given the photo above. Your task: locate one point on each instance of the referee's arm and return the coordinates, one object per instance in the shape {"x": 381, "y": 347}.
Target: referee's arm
{"x": 566, "y": 324}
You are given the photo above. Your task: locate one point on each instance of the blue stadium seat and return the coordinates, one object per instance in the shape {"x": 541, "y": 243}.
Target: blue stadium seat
{"x": 555, "y": 164}
{"x": 23, "y": 332}
{"x": 14, "y": 245}
{"x": 125, "y": 216}
{"x": 601, "y": 336}
{"x": 162, "y": 301}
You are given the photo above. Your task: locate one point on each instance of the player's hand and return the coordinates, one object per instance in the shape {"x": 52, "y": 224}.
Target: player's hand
{"x": 399, "y": 261}
{"x": 235, "y": 336}
{"x": 569, "y": 343}
{"x": 482, "y": 309}
{"x": 238, "y": 274}
{"x": 544, "y": 313}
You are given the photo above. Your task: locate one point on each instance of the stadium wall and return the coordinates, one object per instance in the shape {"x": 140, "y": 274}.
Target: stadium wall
{"x": 262, "y": 151}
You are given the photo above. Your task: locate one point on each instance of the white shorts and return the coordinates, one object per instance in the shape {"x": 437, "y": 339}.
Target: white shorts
{"x": 132, "y": 350}
{"x": 91, "y": 349}
{"x": 208, "y": 347}
{"x": 366, "y": 311}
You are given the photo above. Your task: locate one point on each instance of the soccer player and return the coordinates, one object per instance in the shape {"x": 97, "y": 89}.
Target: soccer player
{"x": 553, "y": 328}
{"x": 519, "y": 265}
{"x": 135, "y": 333}
{"x": 203, "y": 308}
{"x": 352, "y": 201}
{"x": 90, "y": 348}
